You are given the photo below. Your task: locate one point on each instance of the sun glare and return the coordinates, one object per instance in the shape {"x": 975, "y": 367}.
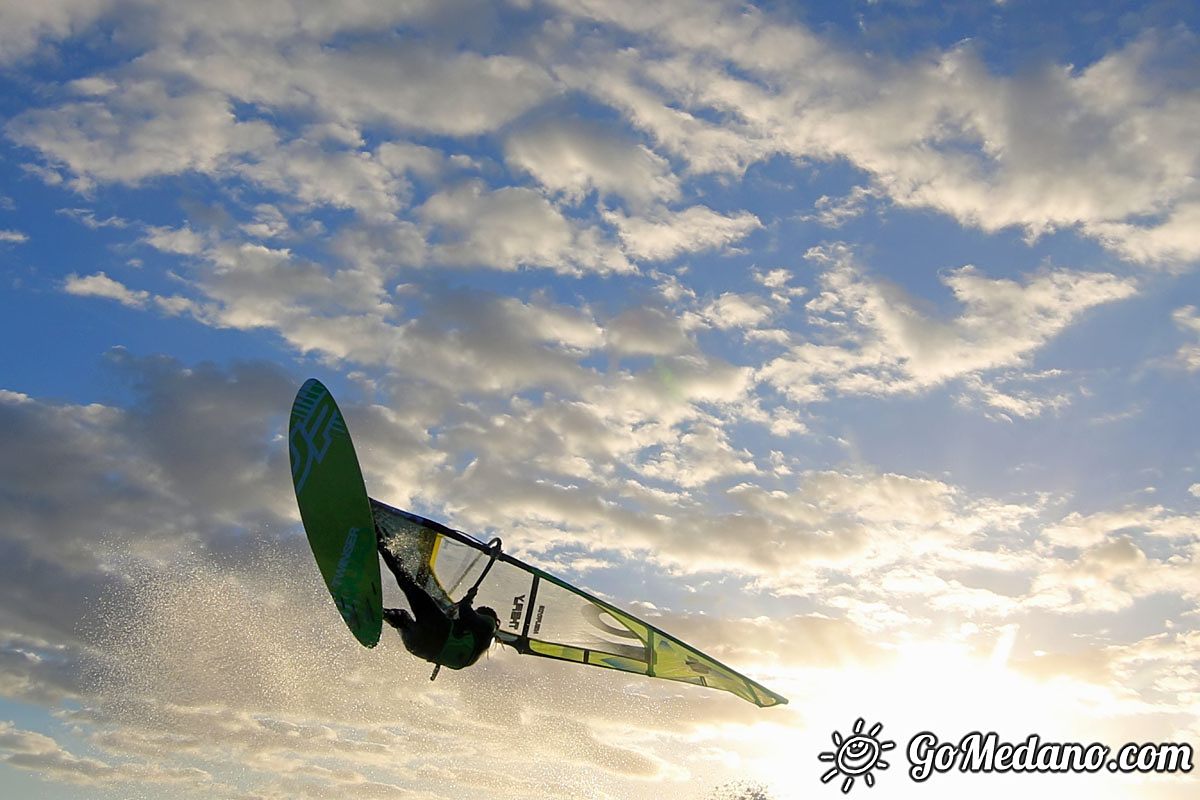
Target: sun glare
{"x": 858, "y": 725}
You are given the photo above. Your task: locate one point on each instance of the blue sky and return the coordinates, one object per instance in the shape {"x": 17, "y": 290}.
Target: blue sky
{"x": 855, "y": 343}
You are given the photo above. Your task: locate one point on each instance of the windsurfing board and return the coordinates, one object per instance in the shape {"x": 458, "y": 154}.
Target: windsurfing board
{"x": 335, "y": 510}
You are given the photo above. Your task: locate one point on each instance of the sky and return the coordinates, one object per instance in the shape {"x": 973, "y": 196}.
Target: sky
{"x": 857, "y": 344}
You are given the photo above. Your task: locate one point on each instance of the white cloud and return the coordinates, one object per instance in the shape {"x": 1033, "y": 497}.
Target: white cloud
{"x": 834, "y": 212}
{"x": 456, "y": 94}
{"x": 87, "y": 217}
{"x": 309, "y": 175}
{"x": 33, "y": 751}
{"x": 510, "y": 228}
{"x": 1109, "y": 153}
{"x": 1101, "y": 149}
{"x": 1172, "y": 242}
{"x": 704, "y": 146}
{"x": 1104, "y": 577}
{"x": 576, "y": 157}
{"x": 253, "y": 286}
{"x": 669, "y": 234}
{"x": 187, "y": 475}
{"x": 269, "y": 223}
{"x": 13, "y": 237}
{"x": 100, "y": 285}
{"x": 701, "y": 455}
{"x": 181, "y": 241}
{"x": 1188, "y": 320}
{"x": 646, "y": 330}
{"x": 176, "y": 21}
{"x": 1006, "y": 404}
{"x": 1088, "y": 530}
{"x": 28, "y": 24}
{"x": 891, "y": 345}
{"x": 736, "y": 310}
{"x": 142, "y": 131}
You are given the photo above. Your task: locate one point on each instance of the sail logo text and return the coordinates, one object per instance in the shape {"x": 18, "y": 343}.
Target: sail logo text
{"x": 518, "y": 607}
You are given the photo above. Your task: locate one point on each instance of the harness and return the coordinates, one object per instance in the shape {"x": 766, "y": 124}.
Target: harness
{"x": 461, "y": 648}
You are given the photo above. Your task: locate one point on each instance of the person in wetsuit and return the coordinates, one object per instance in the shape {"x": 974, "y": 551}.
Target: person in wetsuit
{"x": 455, "y": 638}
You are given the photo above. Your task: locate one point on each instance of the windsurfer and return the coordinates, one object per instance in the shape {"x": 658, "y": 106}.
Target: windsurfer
{"x": 454, "y": 638}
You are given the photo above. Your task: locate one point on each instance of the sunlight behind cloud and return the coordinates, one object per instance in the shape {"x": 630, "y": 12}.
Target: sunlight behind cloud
{"x": 939, "y": 686}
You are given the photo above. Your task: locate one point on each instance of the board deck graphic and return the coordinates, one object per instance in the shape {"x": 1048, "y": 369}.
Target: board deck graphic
{"x": 335, "y": 510}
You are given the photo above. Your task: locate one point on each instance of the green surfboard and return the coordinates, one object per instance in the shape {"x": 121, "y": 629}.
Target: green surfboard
{"x": 335, "y": 510}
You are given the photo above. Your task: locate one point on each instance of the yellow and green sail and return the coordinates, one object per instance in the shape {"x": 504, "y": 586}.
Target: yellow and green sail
{"x": 545, "y": 616}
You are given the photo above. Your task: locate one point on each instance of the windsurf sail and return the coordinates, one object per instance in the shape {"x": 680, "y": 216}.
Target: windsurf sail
{"x": 542, "y": 615}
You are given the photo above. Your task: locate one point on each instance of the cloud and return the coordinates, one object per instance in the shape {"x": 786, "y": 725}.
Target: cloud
{"x": 669, "y": 234}
{"x": 87, "y": 218}
{"x": 144, "y": 461}
{"x": 576, "y": 157}
{"x": 1021, "y": 403}
{"x": 1088, "y": 530}
{"x": 100, "y": 285}
{"x": 1107, "y": 155}
{"x": 889, "y": 345}
{"x": 181, "y": 241}
{"x": 1170, "y": 243}
{"x": 41, "y": 754}
{"x": 511, "y": 228}
{"x": 550, "y": 467}
{"x": 1188, "y": 321}
{"x": 701, "y": 456}
{"x": 144, "y": 130}
{"x": 452, "y": 93}
{"x": 834, "y": 212}
{"x": 373, "y": 184}
{"x": 1104, "y": 154}
{"x": 647, "y": 330}
{"x": 1116, "y": 559}
{"x": 734, "y": 310}
{"x": 27, "y": 26}
{"x": 1105, "y": 577}
{"x": 13, "y": 237}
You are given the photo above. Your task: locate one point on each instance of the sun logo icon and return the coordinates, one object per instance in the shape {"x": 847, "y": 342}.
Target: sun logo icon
{"x": 856, "y": 755}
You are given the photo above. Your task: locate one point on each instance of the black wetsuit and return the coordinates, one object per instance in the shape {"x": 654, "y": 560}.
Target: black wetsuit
{"x": 453, "y": 640}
